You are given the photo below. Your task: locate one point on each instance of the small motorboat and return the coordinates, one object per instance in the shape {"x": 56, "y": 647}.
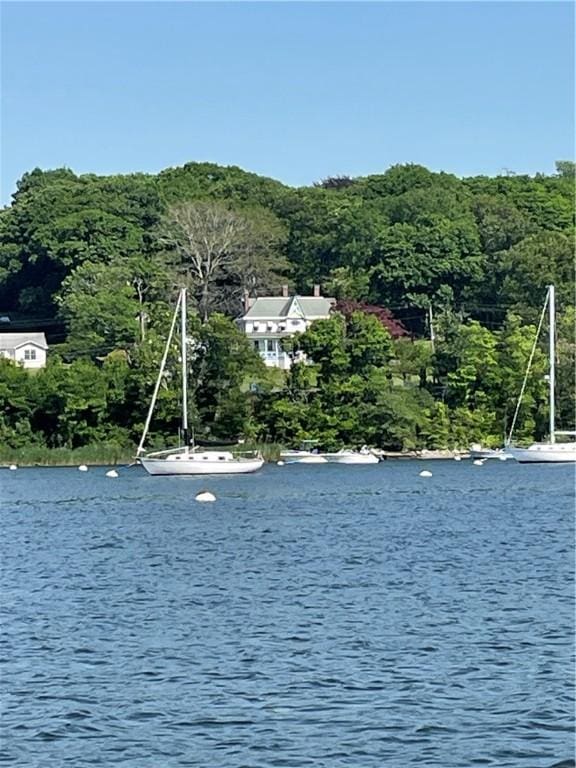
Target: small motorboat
{"x": 306, "y": 454}
{"x": 478, "y": 452}
{"x": 302, "y": 457}
{"x": 348, "y": 456}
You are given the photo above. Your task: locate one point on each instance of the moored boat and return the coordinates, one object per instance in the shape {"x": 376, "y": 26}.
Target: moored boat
{"x": 478, "y": 452}
{"x": 347, "y": 456}
{"x": 302, "y": 457}
{"x": 187, "y": 459}
{"x": 191, "y": 461}
{"x": 550, "y": 451}
{"x": 307, "y": 453}
{"x": 544, "y": 453}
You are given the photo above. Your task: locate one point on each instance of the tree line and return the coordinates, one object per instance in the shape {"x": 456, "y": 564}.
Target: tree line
{"x": 104, "y": 257}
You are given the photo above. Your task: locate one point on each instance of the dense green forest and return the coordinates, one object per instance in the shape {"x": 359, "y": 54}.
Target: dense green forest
{"x": 96, "y": 263}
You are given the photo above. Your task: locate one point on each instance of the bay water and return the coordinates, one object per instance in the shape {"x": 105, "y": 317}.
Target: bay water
{"x": 327, "y": 616}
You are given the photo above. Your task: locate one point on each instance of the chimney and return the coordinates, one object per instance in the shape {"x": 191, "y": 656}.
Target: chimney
{"x": 285, "y": 291}
{"x": 246, "y": 301}
{"x": 316, "y": 290}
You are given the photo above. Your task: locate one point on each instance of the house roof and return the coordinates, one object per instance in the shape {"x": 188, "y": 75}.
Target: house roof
{"x": 14, "y": 340}
{"x": 307, "y": 307}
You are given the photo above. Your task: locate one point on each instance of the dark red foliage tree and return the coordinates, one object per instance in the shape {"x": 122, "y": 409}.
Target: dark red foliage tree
{"x": 394, "y": 326}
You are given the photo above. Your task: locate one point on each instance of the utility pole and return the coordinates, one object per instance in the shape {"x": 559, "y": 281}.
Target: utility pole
{"x": 431, "y": 326}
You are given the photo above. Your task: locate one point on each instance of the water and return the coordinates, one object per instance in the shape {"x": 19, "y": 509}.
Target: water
{"x": 312, "y": 616}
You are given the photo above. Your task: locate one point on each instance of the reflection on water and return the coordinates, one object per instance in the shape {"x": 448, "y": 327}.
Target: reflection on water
{"x": 313, "y": 616}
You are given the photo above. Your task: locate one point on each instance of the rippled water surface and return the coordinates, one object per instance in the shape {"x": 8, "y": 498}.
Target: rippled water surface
{"x": 312, "y": 616}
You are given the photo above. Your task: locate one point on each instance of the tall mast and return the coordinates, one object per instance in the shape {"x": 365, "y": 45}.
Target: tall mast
{"x": 159, "y": 379}
{"x": 184, "y": 368}
{"x": 552, "y": 369}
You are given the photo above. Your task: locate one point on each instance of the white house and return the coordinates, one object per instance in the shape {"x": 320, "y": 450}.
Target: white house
{"x": 270, "y": 319}
{"x": 28, "y": 349}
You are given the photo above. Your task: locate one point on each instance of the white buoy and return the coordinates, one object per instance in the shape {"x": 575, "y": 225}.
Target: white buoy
{"x": 280, "y": 463}
{"x": 425, "y": 473}
{"x": 457, "y": 458}
{"x": 478, "y": 463}
{"x": 503, "y": 458}
{"x": 83, "y": 468}
{"x": 112, "y": 473}
{"x": 12, "y": 467}
{"x": 205, "y": 496}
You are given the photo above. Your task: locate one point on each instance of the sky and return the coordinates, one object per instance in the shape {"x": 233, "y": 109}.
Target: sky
{"x": 297, "y": 91}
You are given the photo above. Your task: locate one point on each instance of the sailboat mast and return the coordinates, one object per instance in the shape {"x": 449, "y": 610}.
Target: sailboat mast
{"x": 159, "y": 379}
{"x": 184, "y": 368}
{"x": 552, "y": 353}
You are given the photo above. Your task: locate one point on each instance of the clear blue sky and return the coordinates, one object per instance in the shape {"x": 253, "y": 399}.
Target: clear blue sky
{"x": 296, "y": 91}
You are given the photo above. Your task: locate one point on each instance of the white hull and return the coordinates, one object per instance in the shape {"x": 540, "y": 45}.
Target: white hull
{"x": 200, "y": 463}
{"x": 302, "y": 457}
{"x": 350, "y": 457}
{"x": 545, "y": 453}
{"x": 488, "y": 453}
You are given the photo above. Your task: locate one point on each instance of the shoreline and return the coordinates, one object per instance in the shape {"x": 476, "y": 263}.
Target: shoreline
{"x": 383, "y": 455}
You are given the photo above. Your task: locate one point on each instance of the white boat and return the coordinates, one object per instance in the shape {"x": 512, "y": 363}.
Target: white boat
{"x": 302, "y": 457}
{"x": 476, "y": 451}
{"x": 309, "y": 455}
{"x": 347, "y": 456}
{"x": 551, "y": 451}
{"x": 306, "y": 454}
{"x": 192, "y": 461}
{"x": 545, "y": 453}
{"x": 187, "y": 459}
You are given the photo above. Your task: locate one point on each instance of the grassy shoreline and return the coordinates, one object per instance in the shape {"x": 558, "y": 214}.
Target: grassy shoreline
{"x": 95, "y": 455}
{"x": 115, "y": 456}
{"x": 66, "y": 457}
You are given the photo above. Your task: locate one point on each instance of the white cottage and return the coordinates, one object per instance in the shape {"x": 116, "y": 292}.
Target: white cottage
{"x": 28, "y": 349}
{"x": 270, "y": 319}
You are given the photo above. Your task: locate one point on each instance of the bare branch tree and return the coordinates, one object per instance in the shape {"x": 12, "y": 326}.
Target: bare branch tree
{"x": 207, "y": 238}
{"x": 261, "y": 268}
{"x": 215, "y": 244}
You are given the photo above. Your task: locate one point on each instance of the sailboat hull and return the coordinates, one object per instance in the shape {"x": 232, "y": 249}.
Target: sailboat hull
{"x": 201, "y": 463}
{"x": 545, "y": 453}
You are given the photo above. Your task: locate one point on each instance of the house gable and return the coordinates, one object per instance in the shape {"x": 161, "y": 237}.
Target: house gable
{"x": 295, "y": 309}
{"x": 29, "y": 344}
{"x": 27, "y": 349}
{"x": 12, "y": 341}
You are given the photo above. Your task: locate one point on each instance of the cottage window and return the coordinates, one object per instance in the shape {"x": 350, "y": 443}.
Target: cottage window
{"x": 29, "y": 354}
{"x": 270, "y": 345}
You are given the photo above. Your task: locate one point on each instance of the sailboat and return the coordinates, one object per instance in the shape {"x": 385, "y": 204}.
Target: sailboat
{"x": 551, "y": 451}
{"x": 187, "y": 459}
